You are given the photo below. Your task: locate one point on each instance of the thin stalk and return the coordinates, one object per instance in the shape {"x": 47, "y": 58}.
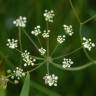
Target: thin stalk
{"x": 55, "y": 49}
{"x": 30, "y": 39}
{"x": 47, "y": 47}
{"x": 74, "y": 11}
{"x": 47, "y": 68}
{"x": 68, "y": 53}
{"x": 47, "y": 40}
{"x": 73, "y": 68}
{"x": 20, "y": 42}
{"x": 39, "y": 41}
{"x": 89, "y": 19}
{"x": 35, "y": 67}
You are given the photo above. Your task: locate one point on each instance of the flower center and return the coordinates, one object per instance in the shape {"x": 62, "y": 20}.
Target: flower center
{"x": 48, "y": 59}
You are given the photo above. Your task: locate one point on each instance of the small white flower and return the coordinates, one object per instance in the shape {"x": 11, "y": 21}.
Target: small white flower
{"x": 46, "y": 34}
{"x": 50, "y": 80}
{"x": 67, "y": 63}
{"x": 42, "y": 51}
{"x": 36, "y": 31}
{"x": 20, "y": 22}
{"x": 12, "y": 43}
{"x": 27, "y": 58}
{"x": 61, "y": 39}
{"x": 3, "y": 81}
{"x": 88, "y": 44}
{"x": 49, "y": 15}
{"x": 18, "y": 73}
{"x": 68, "y": 29}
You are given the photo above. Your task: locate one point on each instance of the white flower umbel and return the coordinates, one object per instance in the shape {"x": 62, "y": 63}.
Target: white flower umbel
{"x": 12, "y": 43}
{"x": 88, "y": 44}
{"x": 60, "y": 39}
{"x": 27, "y": 58}
{"x": 36, "y": 31}
{"x": 18, "y": 73}
{"x": 67, "y": 63}
{"x": 49, "y": 15}
{"x": 50, "y": 80}
{"x": 20, "y": 22}
{"x": 46, "y": 34}
{"x": 68, "y": 29}
{"x": 42, "y": 51}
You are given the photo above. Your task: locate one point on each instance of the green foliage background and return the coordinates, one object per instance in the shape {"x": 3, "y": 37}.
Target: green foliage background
{"x": 71, "y": 83}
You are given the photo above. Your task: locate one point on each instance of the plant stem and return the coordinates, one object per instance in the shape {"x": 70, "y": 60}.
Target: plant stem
{"x": 73, "y": 68}
{"x": 68, "y": 53}
{"x": 30, "y": 39}
{"x": 74, "y": 11}
{"x": 47, "y": 68}
{"x": 47, "y": 48}
{"x": 47, "y": 39}
{"x": 20, "y": 42}
{"x": 55, "y": 49}
{"x": 39, "y": 41}
{"x": 35, "y": 67}
{"x": 89, "y": 19}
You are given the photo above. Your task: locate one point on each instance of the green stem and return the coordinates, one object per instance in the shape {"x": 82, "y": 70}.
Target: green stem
{"x": 47, "y": 47}
{"x": 39, "y": 41}
{"x": 47, "y": 40}
{"x": 91, "y": 18}
{"x": 47, "y": 68}
{"x": 74, "y": 11}
{"x": 35, "y": 67}
{"x": 68, "y": 53}
{"x": 30, "y": 39}
{"x": 55, "y": 49}
{"x": 20, "y": 41}
{"x": 72, "y": 68}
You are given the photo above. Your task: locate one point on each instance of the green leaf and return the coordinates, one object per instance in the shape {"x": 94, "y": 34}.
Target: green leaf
{"x": 26, "y": 86}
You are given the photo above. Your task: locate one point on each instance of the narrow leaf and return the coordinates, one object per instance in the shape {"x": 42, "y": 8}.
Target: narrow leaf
{"x": 26, "y": 86}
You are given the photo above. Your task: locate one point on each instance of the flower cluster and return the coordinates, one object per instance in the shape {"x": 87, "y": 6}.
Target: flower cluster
{"x": 20, "y": 22}
{"x": 12, "y": 43}
{"x": 3, "y": 81}
{"x": 18, "y": 73}
{"x": 67, "y": 63}
{"x": 88, "y": 44}
{"x": 51, "y": 80}
{"x": 46, "y": 34}
{"x": 27, "y": 59}
{"x": 49, "y": 15}
{"x": 68, "y": 29}
{"x": 36, "y": 31}
{"x": 42, "y": 51}
{"x": 61, "y": 39}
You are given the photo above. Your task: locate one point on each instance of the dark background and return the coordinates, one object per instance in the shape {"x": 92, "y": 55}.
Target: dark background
{"x": 71, "y": 83}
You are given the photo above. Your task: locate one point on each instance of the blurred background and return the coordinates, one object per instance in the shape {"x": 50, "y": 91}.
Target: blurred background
{"x": 71, "y": 83}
